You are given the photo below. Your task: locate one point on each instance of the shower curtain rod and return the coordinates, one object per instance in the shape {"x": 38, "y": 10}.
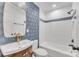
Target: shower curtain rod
{"x": 59, "y": 19}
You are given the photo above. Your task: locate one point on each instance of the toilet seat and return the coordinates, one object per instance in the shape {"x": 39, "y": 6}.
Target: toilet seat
{"x": 41, "y": 52}
{"x": 38, "y": 52}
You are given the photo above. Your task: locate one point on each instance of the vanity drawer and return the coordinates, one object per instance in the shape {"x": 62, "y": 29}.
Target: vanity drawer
{"x": 25, "y": 53}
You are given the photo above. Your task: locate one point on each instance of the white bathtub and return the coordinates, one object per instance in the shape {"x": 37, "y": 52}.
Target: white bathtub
{"x": 55, "y": 50}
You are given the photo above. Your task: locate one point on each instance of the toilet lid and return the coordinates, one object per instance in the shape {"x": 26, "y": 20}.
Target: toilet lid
{"x": 40, "y": 51}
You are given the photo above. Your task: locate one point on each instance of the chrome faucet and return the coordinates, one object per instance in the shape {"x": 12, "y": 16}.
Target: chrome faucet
{"x": 18, "y": 37}
{"x": 73, "y": 46}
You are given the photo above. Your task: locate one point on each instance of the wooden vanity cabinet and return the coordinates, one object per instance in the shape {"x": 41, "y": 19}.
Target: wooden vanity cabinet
{"x": 24, "y": 53}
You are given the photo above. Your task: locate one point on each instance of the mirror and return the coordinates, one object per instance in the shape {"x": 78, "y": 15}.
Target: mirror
{"x": 14, "y": 19}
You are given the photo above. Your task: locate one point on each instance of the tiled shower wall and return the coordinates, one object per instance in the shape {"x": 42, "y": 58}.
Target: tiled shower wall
{"x": 32, "y": 23}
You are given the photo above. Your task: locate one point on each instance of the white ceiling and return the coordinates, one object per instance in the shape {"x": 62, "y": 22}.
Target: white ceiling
{"x": 47, "y": 6}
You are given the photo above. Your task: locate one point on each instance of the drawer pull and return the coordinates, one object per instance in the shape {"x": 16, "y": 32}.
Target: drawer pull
{"x": 24, "y": 54}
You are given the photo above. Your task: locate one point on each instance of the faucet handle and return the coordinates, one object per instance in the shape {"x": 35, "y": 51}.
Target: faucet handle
{"x": 71, "y": 45}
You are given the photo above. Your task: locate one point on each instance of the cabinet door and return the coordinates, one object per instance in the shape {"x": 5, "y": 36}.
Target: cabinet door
{"x": 24, "y": 53}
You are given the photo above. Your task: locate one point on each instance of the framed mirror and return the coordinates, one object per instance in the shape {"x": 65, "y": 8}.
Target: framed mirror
{"x": 14, "y": 19}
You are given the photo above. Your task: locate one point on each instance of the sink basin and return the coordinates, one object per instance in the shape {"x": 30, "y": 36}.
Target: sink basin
{"x": 15, "y": 47}
{"x": 22, "y": 44}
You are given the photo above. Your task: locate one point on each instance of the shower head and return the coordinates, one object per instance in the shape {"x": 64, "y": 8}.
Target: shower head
{"x": 72, "y": 12}
{"x": 68, "y": 12}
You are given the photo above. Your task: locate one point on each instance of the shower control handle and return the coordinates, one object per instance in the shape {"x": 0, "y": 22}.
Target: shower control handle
{"x": 71, "y": 45}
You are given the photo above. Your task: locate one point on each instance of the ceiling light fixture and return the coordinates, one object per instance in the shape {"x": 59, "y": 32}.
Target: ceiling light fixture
{"x": 54, "y": 5}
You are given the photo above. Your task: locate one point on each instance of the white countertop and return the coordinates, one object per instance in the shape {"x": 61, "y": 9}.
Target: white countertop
{"x": 14, "y": 47}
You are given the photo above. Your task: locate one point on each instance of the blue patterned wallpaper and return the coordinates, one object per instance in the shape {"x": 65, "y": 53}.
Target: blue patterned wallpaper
{"x": 3, "y": 40}
{"x": 32, "y": 23}
{"x": 32, "y": 14}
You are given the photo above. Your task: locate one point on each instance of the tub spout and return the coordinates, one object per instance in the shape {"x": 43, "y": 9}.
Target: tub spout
{"x": 73, "y": 47}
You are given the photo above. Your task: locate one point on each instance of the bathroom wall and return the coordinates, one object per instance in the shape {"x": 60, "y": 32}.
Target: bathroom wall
{"x": 59, "y": 13}
{"x": 76, "y": 7}
{"x": 42, "y": 27}
{"x": 42, "y": 32}
{"x": 59, "y": 32}
{"x": 42, "y": 15}
{"x": 1, "y": 24}
{"x": 32, "y": 15}
{"x": 32, "y": 26}
{"x": 3, "y": 39}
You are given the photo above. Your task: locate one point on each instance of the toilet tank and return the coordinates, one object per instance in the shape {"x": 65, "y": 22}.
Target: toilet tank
{"x": 35, "y": 44}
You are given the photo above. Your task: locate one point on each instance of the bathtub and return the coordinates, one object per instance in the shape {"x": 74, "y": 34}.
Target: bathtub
{"x": 55, "y": 50}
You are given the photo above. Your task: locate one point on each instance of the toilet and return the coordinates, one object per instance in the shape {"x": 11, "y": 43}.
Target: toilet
{"x": 38, "y": 52}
